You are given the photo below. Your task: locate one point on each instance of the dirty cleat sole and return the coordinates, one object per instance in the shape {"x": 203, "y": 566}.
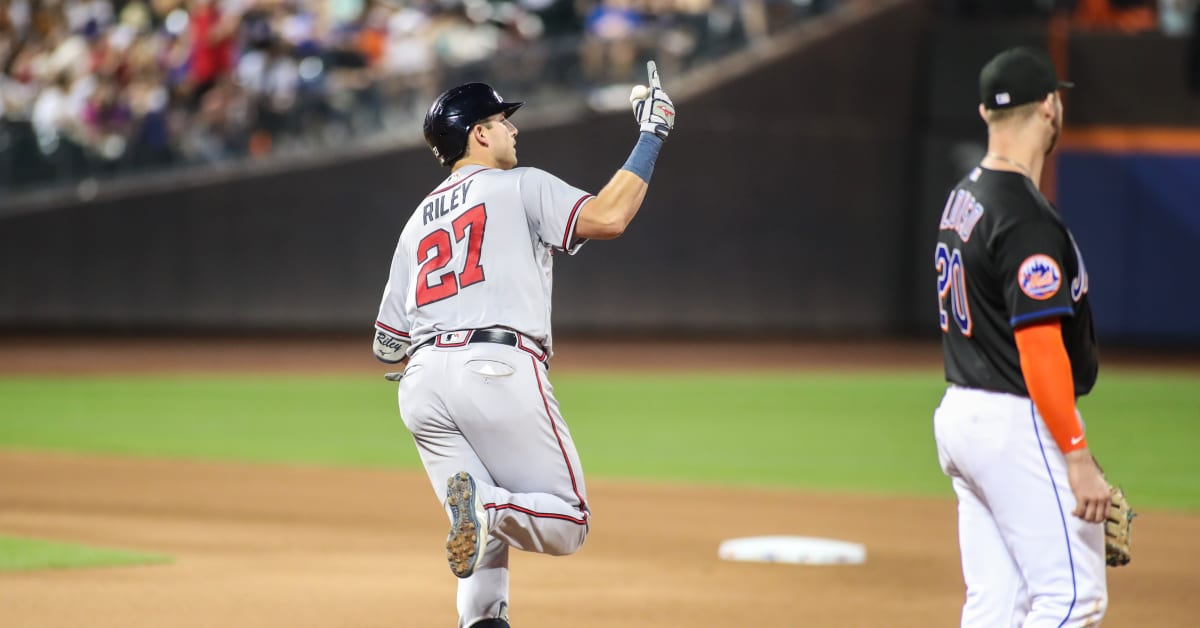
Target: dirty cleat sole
{"x": 468, "y": 525}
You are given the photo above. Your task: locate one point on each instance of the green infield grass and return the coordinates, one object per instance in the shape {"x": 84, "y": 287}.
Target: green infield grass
{"x": 19, "y": 554}
{"x": 868, "y": 431}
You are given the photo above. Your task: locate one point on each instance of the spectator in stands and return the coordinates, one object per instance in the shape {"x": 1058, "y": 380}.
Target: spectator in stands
{"x": 460, "y": 40}
{"x": 677, "y": 30}
{"x": 407, "y": 60}
{"x": 612, "y": 36}
{"x": 753, "y": 14}
{"x": 354, "y": 97}
{"x": 150, "y": 141}
{"x": 220, "y": 128}
{"x": 57, "y": 122}
{"x": 211, "y": 35}
{"x": 107, "y": 121}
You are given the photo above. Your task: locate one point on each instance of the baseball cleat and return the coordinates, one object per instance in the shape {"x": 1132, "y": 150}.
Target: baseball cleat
{"x": 468, "y": 525}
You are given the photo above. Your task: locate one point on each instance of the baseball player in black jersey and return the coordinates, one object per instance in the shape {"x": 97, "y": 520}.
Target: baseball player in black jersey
{"x": 1019, "y": 349}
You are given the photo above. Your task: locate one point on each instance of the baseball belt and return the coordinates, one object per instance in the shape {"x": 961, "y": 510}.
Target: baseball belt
{"x": 494, "y": 336}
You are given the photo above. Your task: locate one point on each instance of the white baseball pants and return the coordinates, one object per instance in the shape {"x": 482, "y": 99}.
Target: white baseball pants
{"x": 1027, "y": 561}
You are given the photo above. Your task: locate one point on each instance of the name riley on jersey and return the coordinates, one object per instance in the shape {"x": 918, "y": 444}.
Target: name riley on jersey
{"x": 443, "y": 204}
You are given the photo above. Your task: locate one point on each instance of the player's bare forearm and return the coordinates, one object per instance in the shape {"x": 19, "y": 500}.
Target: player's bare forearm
{"x": 606, "y": 216}
{"x": 1092, "y": 492}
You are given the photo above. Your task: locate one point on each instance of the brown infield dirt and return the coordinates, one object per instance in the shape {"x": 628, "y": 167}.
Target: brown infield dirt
{"x": 271, "y": 546}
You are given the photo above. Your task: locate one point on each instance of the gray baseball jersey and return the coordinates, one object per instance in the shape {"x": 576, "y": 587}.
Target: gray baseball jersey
{"x": 477, "y": 253}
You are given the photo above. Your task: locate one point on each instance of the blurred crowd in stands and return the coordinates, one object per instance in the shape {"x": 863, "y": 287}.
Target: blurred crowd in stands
{"x": 92, "y": 88}
{"x": 1172, "y": 17}
{"x": 98, "y": 87}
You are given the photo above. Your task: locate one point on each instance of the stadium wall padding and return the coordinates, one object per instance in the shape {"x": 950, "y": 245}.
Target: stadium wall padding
{"x": 1137, "y": 223}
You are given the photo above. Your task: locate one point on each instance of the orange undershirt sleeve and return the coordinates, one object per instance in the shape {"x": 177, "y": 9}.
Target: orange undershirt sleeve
{"x": 1047, "y": 371}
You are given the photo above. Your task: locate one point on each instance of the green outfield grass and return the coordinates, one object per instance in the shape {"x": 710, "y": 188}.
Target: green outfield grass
{"x": 18, "y": 554}
{"x": 865, "y": 431}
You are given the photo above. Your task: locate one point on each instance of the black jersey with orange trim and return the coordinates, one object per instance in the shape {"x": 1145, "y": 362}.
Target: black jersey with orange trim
{"x": 1004, "y": 259}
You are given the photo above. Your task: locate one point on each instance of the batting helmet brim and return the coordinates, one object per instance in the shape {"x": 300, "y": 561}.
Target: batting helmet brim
{"x": 509, "y": 108}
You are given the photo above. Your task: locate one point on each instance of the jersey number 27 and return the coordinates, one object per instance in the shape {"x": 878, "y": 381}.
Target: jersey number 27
{"x": 952, "y": 285}
{"x": 435, "y": 252}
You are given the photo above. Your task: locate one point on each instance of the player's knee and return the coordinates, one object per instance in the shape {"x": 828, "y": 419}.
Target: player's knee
{"x": 1092, "y": 602}
{"x": 571, "y": 541}
{"x": 1093, "y": 609}
{"x": 1075, "y": 609}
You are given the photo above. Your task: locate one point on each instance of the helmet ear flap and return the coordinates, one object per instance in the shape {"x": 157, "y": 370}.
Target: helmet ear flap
{"x": 447, "y": 141}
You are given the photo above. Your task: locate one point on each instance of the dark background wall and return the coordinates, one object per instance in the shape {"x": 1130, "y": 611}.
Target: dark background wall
{"x": 1132, "y": 209}
{"x": 796, "y": 196}
{"x": 1136, "y": 219}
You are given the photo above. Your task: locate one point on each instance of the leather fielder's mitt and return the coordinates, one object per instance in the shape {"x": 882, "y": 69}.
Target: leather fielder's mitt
{"x": 1118, "y": 529}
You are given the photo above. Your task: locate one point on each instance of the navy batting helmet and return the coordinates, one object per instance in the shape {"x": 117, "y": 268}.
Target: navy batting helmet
{"x": 454, "y": 113}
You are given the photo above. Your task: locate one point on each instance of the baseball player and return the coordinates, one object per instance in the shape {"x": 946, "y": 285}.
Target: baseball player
{"x": 467, "y": 310}
{"x": 1019, "y": 349}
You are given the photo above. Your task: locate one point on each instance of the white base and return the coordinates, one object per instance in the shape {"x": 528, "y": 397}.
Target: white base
{"x": 802, "y": 550}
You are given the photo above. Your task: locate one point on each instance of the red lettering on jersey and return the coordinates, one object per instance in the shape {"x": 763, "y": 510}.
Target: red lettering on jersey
{"x": 470, "y": 227}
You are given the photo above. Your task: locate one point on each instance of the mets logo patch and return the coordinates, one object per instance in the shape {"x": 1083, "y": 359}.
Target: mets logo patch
{"x": 1039, "y": 277}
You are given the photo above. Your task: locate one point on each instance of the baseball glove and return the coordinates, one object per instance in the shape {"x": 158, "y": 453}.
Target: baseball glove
{"x": 1118, "y": 529}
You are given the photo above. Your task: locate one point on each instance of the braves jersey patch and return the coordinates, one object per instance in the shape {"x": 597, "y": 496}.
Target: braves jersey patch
{"x": 1039, "y": 277}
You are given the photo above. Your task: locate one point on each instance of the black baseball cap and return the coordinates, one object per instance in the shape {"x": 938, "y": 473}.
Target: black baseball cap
{"x": 1018, "y": 76}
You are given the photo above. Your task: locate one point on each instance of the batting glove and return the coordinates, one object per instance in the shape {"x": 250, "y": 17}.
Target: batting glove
{"x": 652, "y": 106}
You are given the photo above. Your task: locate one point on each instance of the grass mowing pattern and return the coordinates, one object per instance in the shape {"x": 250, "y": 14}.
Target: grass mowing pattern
{"x": 863, "y": 431}
{"x": 18, "y": 554}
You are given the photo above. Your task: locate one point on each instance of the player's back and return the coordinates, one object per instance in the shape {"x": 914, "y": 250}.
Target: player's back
{"x": 472, "y": 261}
{"x": 1003, "y": 259}
{"x": 477, "y": 253}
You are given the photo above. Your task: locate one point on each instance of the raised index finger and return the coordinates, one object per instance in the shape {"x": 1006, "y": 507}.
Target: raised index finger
{"x": 652, "y": 70}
